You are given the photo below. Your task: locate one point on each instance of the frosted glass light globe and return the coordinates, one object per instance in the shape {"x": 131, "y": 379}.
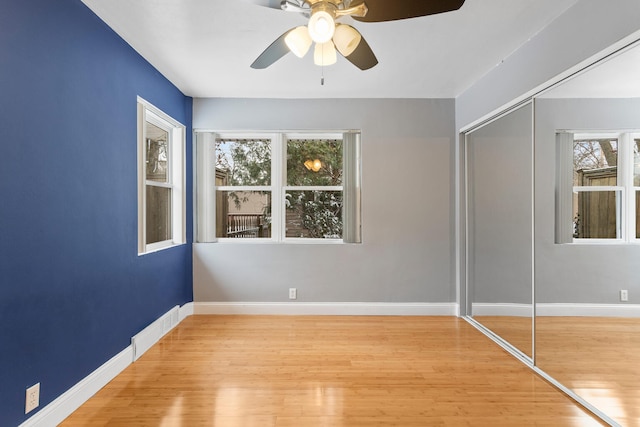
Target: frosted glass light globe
{"x": 321, "y": 26}
{"x": 298, "y": 41}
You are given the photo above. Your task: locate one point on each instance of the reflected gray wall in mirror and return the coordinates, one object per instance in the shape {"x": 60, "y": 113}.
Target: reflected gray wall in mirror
{"x": 499, "y": 227}
{"x": 586, "y": 337}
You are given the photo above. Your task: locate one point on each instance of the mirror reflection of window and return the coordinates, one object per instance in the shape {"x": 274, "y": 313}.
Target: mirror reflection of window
{"x": 605, "y": 186}
{"x": 586, "y": 284}
{"x": 595, "y": 164}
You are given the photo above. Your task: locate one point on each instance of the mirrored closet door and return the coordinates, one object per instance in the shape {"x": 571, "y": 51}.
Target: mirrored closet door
{"x": 587, "y": 235}
{"x": 561, "y": 214}
{"x": 499, "y": 227}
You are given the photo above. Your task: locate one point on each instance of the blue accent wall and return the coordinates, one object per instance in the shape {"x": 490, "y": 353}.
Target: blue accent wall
{"x": 73, "y": 290}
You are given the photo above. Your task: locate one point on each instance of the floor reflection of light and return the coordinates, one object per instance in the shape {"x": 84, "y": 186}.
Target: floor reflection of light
{"x": 604, "y": 399}
{"x": 333, "y": 402}
{"x": 246, "y": 407}
{"x": 174, "y": 414}
{"x": 231, "y": 401}
{"x": 329, "y": 405}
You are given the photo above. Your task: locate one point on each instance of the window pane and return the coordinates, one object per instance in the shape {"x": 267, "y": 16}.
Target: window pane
{"x": 244, "y": 161}
{"x": 313, "y": 162}
{"x": 637, "y": 214}
{"x": 595, "y": 162}
{"x": 636, "y": 162}
{"x": 596, "y": 214}
{"x": 158, "y": 211}
{"x": 314, "y": 214}
{"x": 243, "y": 214}
{"x": 156, "y": 153}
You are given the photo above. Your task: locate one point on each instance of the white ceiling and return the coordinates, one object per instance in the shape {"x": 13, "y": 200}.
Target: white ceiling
{"x": 205, "y": 47}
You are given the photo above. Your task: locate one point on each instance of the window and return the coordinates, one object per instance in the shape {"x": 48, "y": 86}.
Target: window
{"x": 278, "y": 187}
{"x": 161, "y": 203}
{"x": 599, "y": 194}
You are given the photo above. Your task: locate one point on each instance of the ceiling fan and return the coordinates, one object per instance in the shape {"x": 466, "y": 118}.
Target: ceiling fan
{"x": 330, "y": 35}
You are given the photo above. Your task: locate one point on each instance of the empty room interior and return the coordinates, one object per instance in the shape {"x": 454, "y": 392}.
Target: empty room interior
{"x": 320, "y": 213}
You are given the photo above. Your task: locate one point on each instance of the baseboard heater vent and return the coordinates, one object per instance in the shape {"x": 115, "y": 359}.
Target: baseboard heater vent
{"x": 150, "y": 335}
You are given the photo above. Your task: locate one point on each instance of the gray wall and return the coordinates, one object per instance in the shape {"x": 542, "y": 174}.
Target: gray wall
{"x": 405, "y": 255}
{"x": 579, "y": 273}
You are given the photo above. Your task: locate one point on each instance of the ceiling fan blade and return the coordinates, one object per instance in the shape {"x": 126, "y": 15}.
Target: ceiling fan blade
{"x": 286, "y": 5}
{"x": 273, "y": 4}
{"x": 385, "y": 10}
{"x": 362, "y": 57}
{"x": 275, "y": 51}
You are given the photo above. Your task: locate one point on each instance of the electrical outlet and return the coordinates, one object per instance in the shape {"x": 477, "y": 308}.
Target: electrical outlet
{"x": 624, "y": 295}
{"x": 33, "y": 398}
{"x": 293, "y": 293}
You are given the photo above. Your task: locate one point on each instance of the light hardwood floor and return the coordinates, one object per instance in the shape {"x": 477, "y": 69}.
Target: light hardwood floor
{"x": 517, "y": 330}
{"x": 327, "y": 371}
{"x": 598, "y": 358}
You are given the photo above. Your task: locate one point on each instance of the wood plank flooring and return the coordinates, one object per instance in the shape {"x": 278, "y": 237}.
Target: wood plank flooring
{"x": 597, "y": 357}
{"x": 517, "y": 330}
{"x": 308, "y": 371}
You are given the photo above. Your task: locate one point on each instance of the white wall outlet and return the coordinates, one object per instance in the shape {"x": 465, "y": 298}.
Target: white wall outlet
{"x": 293, "y": 293}
{"x": 33, "y": 398}
{"x": 624, "y": 295}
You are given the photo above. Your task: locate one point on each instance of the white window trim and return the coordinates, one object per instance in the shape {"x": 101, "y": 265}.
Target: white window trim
{"x": 625, "y": 188}
{"x": 176, "y": 177}
{"x": 206, "y": 189}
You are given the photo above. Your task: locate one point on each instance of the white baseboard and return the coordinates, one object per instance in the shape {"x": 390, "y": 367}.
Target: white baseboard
{"x": 146, "y": 338}
{"x": 65, "y": 404}
{"x": 341, "y": 308}
{"x": 588, "y": 310}
{"x": 501, "y": 309}
{"x": 185, "y": 311}
{"x": 556, "y": 309}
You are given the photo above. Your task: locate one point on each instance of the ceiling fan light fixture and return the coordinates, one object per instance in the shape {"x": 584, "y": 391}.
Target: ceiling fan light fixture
{"x": 325, "y": 54}
{"x": 298, "y": 41}
{"x": 346, "y": 39}
{"x": 321, "y": 26}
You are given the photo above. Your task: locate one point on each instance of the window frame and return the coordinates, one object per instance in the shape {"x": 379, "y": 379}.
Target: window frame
{"x": 626, "y": 214}
{"x": 206, "y": 194}
{"x": 148, "y": 113}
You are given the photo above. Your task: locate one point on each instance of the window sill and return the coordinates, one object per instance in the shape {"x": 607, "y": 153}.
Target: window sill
{"x": 225, "y": 241}
{"x": 603, "y": 242}
{"x": 161, "y": 246}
